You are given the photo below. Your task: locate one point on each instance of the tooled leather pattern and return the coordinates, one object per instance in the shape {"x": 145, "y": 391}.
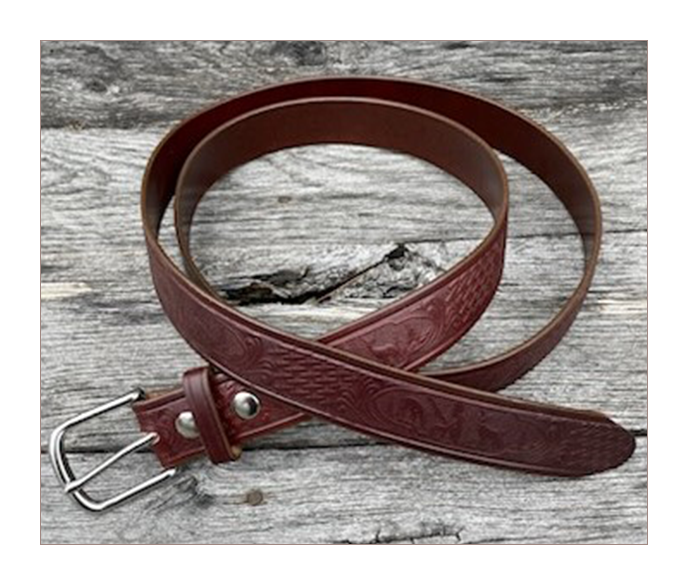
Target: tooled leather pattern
{"x": 407, "y": 336}
{"x": 399, "y": 409}
{"x": 375, "y": 402}
{"x": 464, "y": 428}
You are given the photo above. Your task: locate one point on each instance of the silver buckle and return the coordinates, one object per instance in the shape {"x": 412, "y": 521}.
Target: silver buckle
{"x": 74, "y": 487}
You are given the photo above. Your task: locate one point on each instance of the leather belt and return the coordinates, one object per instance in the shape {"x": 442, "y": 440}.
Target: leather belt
{"x": 364, "y": 375}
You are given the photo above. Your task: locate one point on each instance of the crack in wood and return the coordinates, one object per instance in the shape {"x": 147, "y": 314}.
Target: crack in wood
{"x": 275, "y": 287}
{"x": 520, "y": 236}
{"x": 432, "y": 531}
{"x": 185, "y": 491}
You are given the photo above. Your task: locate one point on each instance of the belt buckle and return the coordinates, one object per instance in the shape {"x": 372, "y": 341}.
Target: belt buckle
{"x": 74, "y": 487}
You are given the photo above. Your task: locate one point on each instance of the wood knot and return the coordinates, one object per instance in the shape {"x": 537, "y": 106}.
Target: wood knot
{"x": 303, "y": 53}
{"x": 254, "y": 497}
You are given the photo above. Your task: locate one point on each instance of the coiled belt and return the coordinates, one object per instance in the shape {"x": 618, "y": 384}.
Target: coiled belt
{"x": 361, "y": 376}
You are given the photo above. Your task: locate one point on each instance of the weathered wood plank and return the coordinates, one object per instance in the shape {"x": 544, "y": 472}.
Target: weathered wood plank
{"x": 281, "y": 234}
{"x": 343, "y": 495}
{"x": 130, "y": 84}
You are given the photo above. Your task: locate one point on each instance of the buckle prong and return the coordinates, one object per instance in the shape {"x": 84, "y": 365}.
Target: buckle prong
{"x": 74, "y": 486}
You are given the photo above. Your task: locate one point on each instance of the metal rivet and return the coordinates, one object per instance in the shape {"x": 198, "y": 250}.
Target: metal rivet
{"x": 186, "y": 425}
{"x": 246, "y": 405}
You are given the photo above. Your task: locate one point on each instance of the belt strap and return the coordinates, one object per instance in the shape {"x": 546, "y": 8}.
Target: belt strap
{"x": 362, "y": 376}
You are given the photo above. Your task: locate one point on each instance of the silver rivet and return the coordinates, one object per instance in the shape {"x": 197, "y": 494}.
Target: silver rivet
{"x": 186, "y": 425}
{"x": 246, "y": 405}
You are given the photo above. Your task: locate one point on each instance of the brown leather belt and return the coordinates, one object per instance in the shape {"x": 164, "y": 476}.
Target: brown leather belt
{"x": 363, "y": 375}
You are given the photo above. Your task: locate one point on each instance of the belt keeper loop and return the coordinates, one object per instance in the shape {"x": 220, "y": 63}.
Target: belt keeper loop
{"x": 198, "y": 393}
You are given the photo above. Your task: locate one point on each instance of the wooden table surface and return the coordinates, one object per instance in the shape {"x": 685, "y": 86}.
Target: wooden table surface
{"x": 313, "y": 237}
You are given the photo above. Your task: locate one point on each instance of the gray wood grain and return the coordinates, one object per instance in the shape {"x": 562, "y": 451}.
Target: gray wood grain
{"x": 310, "y": 238}
{"x": 130, "y": 84}
{"x": 390, "y": 495}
